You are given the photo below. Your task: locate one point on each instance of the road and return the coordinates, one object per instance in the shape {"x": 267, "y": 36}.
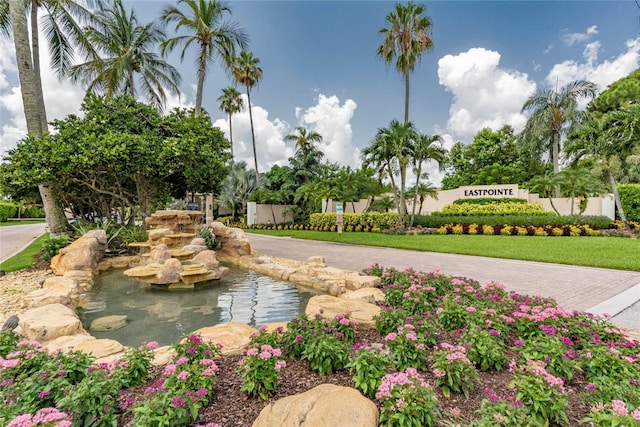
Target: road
{"x": 15, "y": 238}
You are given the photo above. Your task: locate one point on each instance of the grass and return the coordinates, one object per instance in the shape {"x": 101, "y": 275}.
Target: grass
{"x": 25, "y": 259}
{"x": 21, "y": 222}
{"x": 605, "y": 252}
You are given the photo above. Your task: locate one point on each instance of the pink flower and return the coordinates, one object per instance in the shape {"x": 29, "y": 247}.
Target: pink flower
{"x": 178, "y": 402}
{"x": 202, "y": 392}
{"x": 43, "y": 394}
{"x": 184, "y": 375}
{"x": 182, "y": 361}
{"x": 264, "y": 355}
{"x": 280, "y": 364}
{"x": 499, "y": 418}
{"x": 169, "y": 369}
{"x": 619, "y": 407}
{"x": 152, "y": 345}
{"x": 636, "y": 414}
{"x": 252, "y": 352}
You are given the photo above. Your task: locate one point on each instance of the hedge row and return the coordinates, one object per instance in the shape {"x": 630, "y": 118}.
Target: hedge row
{"x": 371, "y": 220}
{"x": 509, "y": 230}
{"x": 493, "y": 209}
{"x": 11, "y": 210}
{"x": 490, "y": 200}
{"x": 436, "y": 221}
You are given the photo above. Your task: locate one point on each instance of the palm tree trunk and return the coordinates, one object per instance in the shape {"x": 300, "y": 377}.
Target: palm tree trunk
{"x": 395, "y": 188}
{"x": 34, "y": 111}
{"x": 231, "y": 136}
{"x": 132, "y": 92}
{"x": 415, "y": 196}
{"x": 616, "y": 196}
{"x": 555, "y": 148}
{"x": 253, "y": 138}
{"x": 35, "y": 49}
{"x": 202, "y": 71}
{"x": 406, "y": 97}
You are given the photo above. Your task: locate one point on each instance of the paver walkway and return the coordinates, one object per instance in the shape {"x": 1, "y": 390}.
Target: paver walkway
{"x": 575, "y": 288}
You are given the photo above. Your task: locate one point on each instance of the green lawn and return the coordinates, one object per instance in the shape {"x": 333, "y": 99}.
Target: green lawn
{"x": 606, "y": 252}
{"x": 25, "y": 258}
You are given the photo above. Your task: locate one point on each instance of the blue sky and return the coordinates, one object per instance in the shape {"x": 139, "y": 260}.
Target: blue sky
{"x": 321, "y": 71}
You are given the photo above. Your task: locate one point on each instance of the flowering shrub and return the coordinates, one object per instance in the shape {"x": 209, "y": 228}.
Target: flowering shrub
{"x": 486, "y": 348}
{"x": 453, "y": 370}
{"x": 326, "y": 354}
{"x": 370, "y": 365}
{"x": 260, "y": 370}
{"x": 617, "y": 414}
{"x": 407, "y": 400}
{"x": 46, "y": 417}
{"x": 407, "y": 349}
{"x": 542, "y": 394}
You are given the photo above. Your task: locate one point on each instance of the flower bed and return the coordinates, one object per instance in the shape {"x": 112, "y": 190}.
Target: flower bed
{"x": 445, "y": 351}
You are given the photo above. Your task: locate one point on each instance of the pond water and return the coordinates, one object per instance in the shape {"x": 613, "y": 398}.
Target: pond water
{"x": 166, "y": 316}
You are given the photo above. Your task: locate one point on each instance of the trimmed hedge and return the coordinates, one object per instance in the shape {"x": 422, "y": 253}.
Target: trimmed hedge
{"x": 515, "y": 230}
{"x": 490, "y": 200}
{"x": 356, "y": 221}
{"x": 436, "y": 221}
{"x": 508, "y": 208}
{"x": 630, "y": 198}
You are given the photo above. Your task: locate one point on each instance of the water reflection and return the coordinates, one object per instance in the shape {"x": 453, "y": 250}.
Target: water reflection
{"x": 165, "y": 316}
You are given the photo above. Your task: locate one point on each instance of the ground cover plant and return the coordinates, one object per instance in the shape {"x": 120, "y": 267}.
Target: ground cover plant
{"x": 444, "y": 351}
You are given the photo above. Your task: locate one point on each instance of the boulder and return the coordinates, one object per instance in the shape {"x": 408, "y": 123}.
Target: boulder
{"x": 63, "y": 283}
{"x": 197, "y": 245}
{"x": 207, "y": 258}
{"x": 233, "y": 336}
{"x": 109, "y": 323}
{"x": 170, "y": 272}
{"x": 49, "y": 322}
{"x": 354, "y": 282}
{"x": 233, "y": 241}
{"x": 163, "y": 355}
{"x": 68, "y": 342}
{"x": 159, "y": 254}
{"x": 41, "y": 297}
{"x": 326, "y": 405}
{"x": 100, "y": 348}
{"x": 370, "y": 295}
{"x": 82, "y": 254}
{"x": 329, "y": 306}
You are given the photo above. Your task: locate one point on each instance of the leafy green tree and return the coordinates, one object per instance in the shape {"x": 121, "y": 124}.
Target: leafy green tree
{"x": 125, "y": 58}
{"x": 308, "y": 158}
{"x": 406, "y": 39}
{"x": 237, "y": 188}
{"x": 579, "y": 182}
{"x": 230, "y": 103}
{"x": 492, "y": 158}
{"x": 553, "y": 112}
{"x": 606, "y": 138}
{"x": 546, "y": 185}
{"x": 120, "y": 157}
{"x": 618, "y": 94}
{"x": 426, "y": 148}
{"x": 246, "y": 70}
{"x": 216, "y": 39}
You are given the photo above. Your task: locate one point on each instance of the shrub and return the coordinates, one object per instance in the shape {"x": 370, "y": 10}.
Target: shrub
{"x": 508, "y": 208}
{"x": 32, "y": 211}
{"x": 630, "y": 198}
{"x": 490, "y": 200}
{"x": 52, "y": 245}
{"x": 7, "y": 210}
{"x": 355, "y": 221}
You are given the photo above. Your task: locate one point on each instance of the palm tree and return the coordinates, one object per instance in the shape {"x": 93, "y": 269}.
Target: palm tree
{"x": 553, "y": 112}
{"x": 124, "y": 49}
{"x": 304, "y": 139}
{"x": 32, "y": 100}
{"x": 424, "y": 150}
{"x": 246, "y": 71}
{"x": 406, "y": 40}
{"x": 231, "y": 102}
{"x": 237, "y": 187}
{"x": 307, "y": 158}
{"x": 546, "y": 185}
{"x": 216, "y": 39}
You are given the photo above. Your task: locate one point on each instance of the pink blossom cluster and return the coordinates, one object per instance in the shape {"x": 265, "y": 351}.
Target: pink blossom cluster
{"x": 537, "y": 367}
{"x": 618, "y": 407}
{"x": 45, "y": 416}
{"x": 540, "y": 314}
{"x": 408, "y": 379}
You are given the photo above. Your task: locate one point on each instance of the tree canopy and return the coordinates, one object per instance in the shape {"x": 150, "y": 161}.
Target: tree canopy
{"x": 121, "y": 158}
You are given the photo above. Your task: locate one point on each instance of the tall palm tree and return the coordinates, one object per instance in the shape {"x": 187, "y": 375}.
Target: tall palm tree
{"x": 231, "y": 102}
{"x": 124, "y": 50}
{"x": 406, "y": 39}
{"x": 246, "y": 70}
{"x": 216, "y": 39}
{"x": 393, "y": 147}
{"x": 304, "y": 139}
{"x": 14, "y": 20}
{"x": 424, "y": 150}
{"x": 553, "y": 112}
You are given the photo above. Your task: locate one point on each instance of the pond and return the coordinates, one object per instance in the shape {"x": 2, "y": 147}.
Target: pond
{"x": 166, "y": 316}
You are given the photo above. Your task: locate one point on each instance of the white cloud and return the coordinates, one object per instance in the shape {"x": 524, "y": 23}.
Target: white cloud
{"x": 484, "y": 95}
{"x": 270, "y": 146}
{"x": 333, "y": 122}
{"x": 570, "y": 39}
{"x": 603, "y": 73}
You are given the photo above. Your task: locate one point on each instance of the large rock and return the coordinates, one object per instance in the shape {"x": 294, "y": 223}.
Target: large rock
{"x": 329, "y": 306}
{"x": 370, "y": 295}
{"x": 67, "y": 343}
{"x": 326, "y": 405}
{"x": 109, "y": 323}
{"x": 159, "y": 254}
{"x": 82, "y": 254}
{"x": 100, "y": 348}
{"x": 49, "y": 322}
{"x": 233, "y": 241}
{"x": 208, "y": 258}
{"x": 41, "y": 297}
{"x": 233, "y": 337}
{"x": 170, "y": 272}
{"x": 63, "y": 284}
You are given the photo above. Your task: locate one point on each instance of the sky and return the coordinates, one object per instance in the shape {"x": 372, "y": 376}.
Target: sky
{"x": 320, "y": 70}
